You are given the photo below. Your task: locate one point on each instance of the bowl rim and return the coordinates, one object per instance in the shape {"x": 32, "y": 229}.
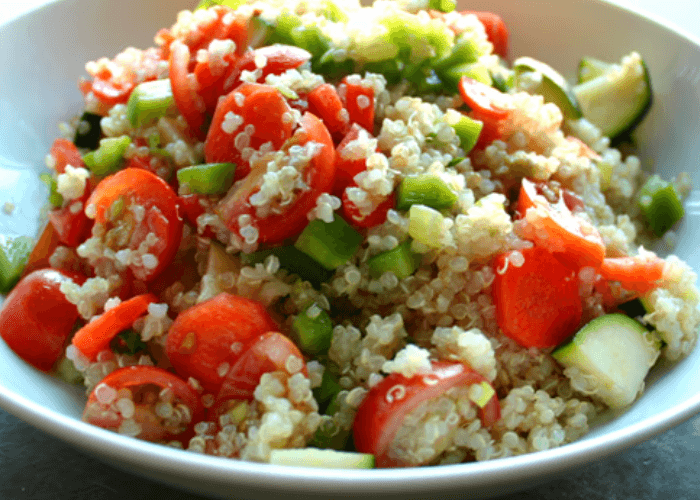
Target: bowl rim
{"x": 198, "y": 467}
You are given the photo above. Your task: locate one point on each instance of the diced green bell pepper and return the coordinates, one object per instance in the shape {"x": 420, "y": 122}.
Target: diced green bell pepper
{"x": 401, "y": 261}
{"x": 209, "y": 178}
{"x": 329, "y": 244}
{"x": 313, "y": 329}
{"x": 108, "y": 158}
{"x": 14, "y": 253}
{"x": 424, "y": 189}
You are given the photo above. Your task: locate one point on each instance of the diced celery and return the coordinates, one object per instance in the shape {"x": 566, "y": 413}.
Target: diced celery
{"x": 329, "y": 244}
{"x": 401, "y": 261}
{"x": 442, "y": 5}
{"x": 149, "y": 101}
{"x": 13, "y": 257}
{"x": 425, "y": 189}
{"x": 88, "y": 131}
{"x": 108, "y": 158}
{"x": 293, "y": 260}
{"x": 55, "y": 198}
{"x": 209, "y": 178}
{"x": 425, "y": 225}
{"x": 661, "y": 205}
{"x": 463, "y": 52}
{"x": 313, "y": 329}
{"x": 468, "y": 130}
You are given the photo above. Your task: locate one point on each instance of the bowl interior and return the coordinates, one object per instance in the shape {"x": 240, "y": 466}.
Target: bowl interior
{"x": 39, "y": 67}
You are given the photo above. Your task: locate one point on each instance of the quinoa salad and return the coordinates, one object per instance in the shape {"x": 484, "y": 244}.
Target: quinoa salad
{"x": 313, "y": 232}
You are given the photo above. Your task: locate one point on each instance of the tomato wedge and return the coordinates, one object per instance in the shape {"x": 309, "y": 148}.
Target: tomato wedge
{"x": 212, "y": 334}
{"x": 188, "y": 102}
{"x": 65, "y": 153}
{"x": 383, "y": 410}
{"x": 347, "y": 163}
{"x": 131, "y": 205}
{"x": 640, "y": 273}
{"x": 319, "y": 175}
{"x": 95, "y": 337}
{"x": 352, "y": 214}
{"x": 572, "y": 239}
{"x": 359, "y": 101}
{"x": 278, "y": 58}
{"x": 43, "y": 250}
{"x": 325, "y": 103}
{"x": 538, "y": 303}
{"x": 36, "y": 318}
{"x": 496, "y": 31}
{"x": 261, "y": 107}
{"x": 268, "y": 352}
{"x": 145, "y": 402}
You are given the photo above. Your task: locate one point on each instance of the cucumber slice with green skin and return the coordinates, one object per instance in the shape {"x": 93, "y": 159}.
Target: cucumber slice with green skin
{"x": 660, "y": 204}
{"x": 150, "y": 101}
{"x": 13, "y": 257}
{"x": 616, "y": 352}
{"x": 327, "y": 459}
{"x": 329, "y": 244}
{"x": 618, "y": 100}
{"x": 590, "y": 68}
{"x": 554, "y": 88}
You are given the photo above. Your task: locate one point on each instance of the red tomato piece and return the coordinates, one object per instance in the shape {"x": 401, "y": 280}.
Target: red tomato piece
{"x": 496, "y": 31}
{"x": 188, "y": 102}
{"x": 482, "y": 99}
{"x": 148, "y": 386}
{"x": 268, "y": 352}
{"x": 318, "y": 176}
{"x": 572, "y": 239}
{"x": 37, "y": 319}
{"x": 43, "y": 249}
{"x": 538, "y": 303}
{"x": 70, "y": 222}
{"x": 352, "y": 214}
{"x": 359, "y": 101}
{"x": 65, "y": 153}
{"x": 641, "y": 273}
{"x": 325, "y": 103}
{"x": 347, "y": 166}
{"x": 278, "y": 58}
{"x": 261, "y": 107}
{"x": 209, "y": 334}
{"x": 383, "y": 410}
{"x": 134, "y": 187}
{"x": 95, "y": 336}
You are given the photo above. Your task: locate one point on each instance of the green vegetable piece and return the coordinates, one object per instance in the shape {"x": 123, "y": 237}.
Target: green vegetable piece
{"x": 329, "y": 244}
{"x": 392, "y": 69}
{"x": 328, "y": 66}
{"x": 328, "y": 389}
{"x": 442, "y": 5}
{"x": 55, "y": 198}
{"x": 88, "y": 131}
{"x": 330, "y": 436}
{"x": 333, "y": 12}
{"x": 311, "y": 457}
{"x": 400, "y": 260}
{"x": 313, "y": 329}
{"x": 108, "y": 158}
{"x": 293, "y": 260}
{"x": 149, "y": 101}
{"x": 259, "y": 32}
{"x": 66, "y": 370}
{"x": 554, "y": 87}
{"x": 477, "y": 71}
{"x": 13, "y": 257}
{"x": 463, "y": 52}
{"x": 234, "y": 4}
{"x": 501, "y": 81}
{"x": 661, "y": 205}
{"x": 590, "y": 68}
{"x": 286, "y": 22}
{"x": 128, "y": 342}
{"x": 424, "y": 189}
{"x": 456, "y": 161}
{"x": 209, "y": 178}
{"x": 310, "y": 38}
{"x": 425, "y": 225}
{"x": 468, "y": 130}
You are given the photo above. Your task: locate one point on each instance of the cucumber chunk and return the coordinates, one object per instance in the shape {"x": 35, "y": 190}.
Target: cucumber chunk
{"x": 330, "y": 459}
{"x": 149, "y": 101}
{"x": 616, "y": 352}
{"x": 329, "y": 244}
{"x": 618, "y": 100}
{"x": 468, "y": 130}
{"x": 661, "y": 205}
{"x": 55, "y": 198}
{"x": 425, "y": 225}
{"x": 590, "y": 68}
{"x": 554, "y": 88}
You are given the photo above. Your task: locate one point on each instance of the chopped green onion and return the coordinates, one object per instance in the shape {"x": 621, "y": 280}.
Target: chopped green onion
{"x": 149, "y": 101}
{"x": 463, "y": 52}
{"x": 468, "y": 131}
{"x": 14, "y": 253}
{"x": 329, "y": 244}
{"x": 456, "y": 161}
{"x": 425, "y": 225}
{"x": 209, "y": 178}
{"x": 313, "y": 329}
{"x": 108, "y": 158}
{"x": 88, "y": 131}
{"x": 424, "y": 189}
{"x": 401, "y": 261}
{"x": 293, "y": 260}
{"x": 55, "y": 198}
{"x": 661, "y": 205}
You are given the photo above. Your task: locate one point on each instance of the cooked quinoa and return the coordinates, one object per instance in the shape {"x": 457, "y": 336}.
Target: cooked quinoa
{"x": 383, "y": 325}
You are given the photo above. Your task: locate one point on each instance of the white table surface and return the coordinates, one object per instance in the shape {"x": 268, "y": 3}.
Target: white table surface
{"x": 665, "y": 467}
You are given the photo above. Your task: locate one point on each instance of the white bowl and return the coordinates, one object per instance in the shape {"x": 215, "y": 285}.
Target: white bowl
{"x": 44, "y": 53}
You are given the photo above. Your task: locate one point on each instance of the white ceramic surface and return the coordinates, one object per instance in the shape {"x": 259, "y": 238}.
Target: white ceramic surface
{"x": 44, "y": 52}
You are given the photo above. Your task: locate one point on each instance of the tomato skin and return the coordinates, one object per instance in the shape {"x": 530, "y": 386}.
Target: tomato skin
{"x": 65, "y": 153}
{"x": 188, "y": 102}
{"x": 640, "y": 274}
{"x": 482, "y": 99}
{"x": 264, "y": 108}
{"x": 135, "y": 378}
{"x": 325, "y": 103}
{"x": 380, "y": 414}
{"x": 266, "y": 353}
{"x": 200, "y": 339}
{"x": 41, "y": 253}
{"x": 36, "y": 318}
{"x": 141, "y": 187}
{"x": 352, "y": 214}
{"x": 346, "y": 167}
{"x": 279, "y": 58}
{"x": 537, "y": 304}
{"x": 358, "y": 112}
{"x": 319, "y": 177}
{"x": 496, "y": 31}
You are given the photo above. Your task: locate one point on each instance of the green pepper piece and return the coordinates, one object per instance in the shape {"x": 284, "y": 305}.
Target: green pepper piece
{"x": 149, "y": 101}
{"x": 468, "y": 130}
{"x": 313, "y": 329}
{"x": 55, "y": 198}
{"x": 425, "y": 189}
{"x": 401, "y": 261}
{"x": 209, "y": 178}
{"x": 463, "y": 52}
{"x": 329, "y": 244}
{"x": 442, "y": 5}
{"x": 293, "y": 260}
{"x": 661, "y": 205}
{"x": 108, "y": 158}
{"x": 14, "y": 253}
